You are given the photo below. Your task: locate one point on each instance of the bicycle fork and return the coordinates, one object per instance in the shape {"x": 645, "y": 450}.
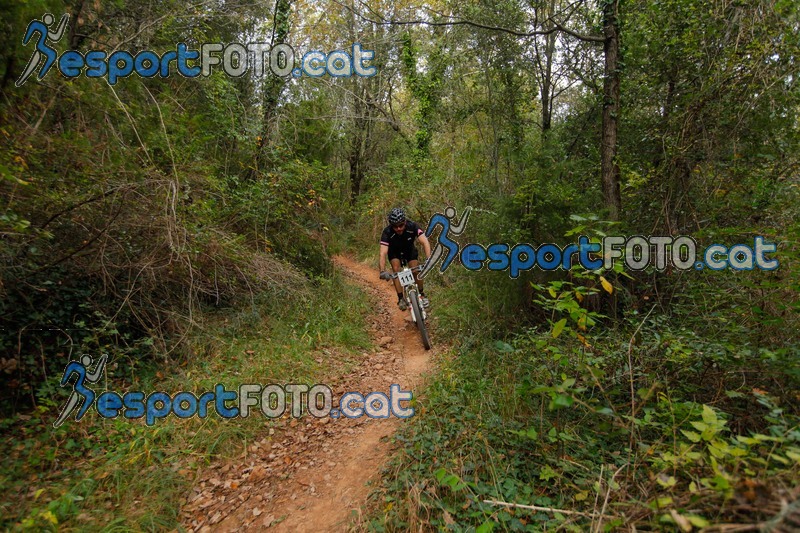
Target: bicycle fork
{"x": 413, "y": 294}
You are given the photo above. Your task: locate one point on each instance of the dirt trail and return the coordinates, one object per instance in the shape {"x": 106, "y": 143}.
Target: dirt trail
{"x": 311, "y": 474}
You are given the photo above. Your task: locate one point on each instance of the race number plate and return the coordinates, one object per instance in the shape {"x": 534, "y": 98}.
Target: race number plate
{"x": 406, "y": 277}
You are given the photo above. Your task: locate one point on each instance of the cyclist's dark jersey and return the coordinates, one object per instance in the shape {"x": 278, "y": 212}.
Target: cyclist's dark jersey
{"x": 401, "y": 246}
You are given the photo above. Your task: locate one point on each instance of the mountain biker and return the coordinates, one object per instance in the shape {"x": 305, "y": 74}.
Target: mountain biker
{"x": 397, "y": 242}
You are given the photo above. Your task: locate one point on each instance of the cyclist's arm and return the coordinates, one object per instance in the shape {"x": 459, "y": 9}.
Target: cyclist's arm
{"x": 384, "y": 255}
{"x": 426, "y": 245}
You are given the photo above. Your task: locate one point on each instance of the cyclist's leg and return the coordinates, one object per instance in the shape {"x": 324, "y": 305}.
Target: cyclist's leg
{"x": 395, "y": 262}
{"x": 412, "y": 262}
{"x": 420, "y": 284}
{"x": 396, "y": 266}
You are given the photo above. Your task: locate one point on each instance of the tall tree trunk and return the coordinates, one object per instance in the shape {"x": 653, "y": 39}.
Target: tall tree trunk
{"x": 356, "y": 170}
{"x": 547, "y": 88}
{"x": 361, "y": 116}
{"x": 608, "y": 146}
{"x": 76, "y": 36}
{"x": 358, "y": 139}
{"x": 273, "y": 87}
{"x": 547, "y": 76}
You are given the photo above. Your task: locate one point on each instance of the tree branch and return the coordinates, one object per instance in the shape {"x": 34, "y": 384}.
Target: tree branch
{"x": 419, "y": 22}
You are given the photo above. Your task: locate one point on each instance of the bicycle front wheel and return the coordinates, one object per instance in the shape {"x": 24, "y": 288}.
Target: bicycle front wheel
{"x": 417, "y": 309}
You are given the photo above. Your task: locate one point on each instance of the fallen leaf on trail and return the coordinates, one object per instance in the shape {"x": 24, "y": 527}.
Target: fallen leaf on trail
{"x": 257, "y": 473}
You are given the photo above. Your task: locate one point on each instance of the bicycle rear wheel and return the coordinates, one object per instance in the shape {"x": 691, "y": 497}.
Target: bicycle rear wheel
{"x": 417, "y": 308}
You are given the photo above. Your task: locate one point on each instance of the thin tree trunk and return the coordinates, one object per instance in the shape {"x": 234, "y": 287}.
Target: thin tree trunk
{"x": 608, "y": 146}
{"x": 356, "y": 156}
{"x": 547, "y": 77}
{"x": 361, "y": 111}
{"x": 273, "y": 88}
{"x": 75, "y": 37}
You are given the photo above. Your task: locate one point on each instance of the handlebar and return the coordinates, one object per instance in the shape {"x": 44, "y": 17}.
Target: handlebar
{"x": 385, "y": 275}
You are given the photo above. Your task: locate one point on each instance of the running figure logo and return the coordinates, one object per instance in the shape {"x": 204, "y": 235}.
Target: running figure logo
{"x": 79, "y": 389}
{"x": 43, "y": 51}
{"x": 445, "y": 240}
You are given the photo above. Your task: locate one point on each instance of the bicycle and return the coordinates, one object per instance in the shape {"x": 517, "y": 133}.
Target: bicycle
{"x": 412, "y": 297}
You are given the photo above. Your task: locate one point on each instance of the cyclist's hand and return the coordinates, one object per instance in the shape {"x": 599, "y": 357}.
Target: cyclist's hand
{"x": 386, "y": 275}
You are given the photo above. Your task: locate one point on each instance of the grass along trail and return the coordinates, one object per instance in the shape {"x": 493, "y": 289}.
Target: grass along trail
{"x": 312, "y": 474}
